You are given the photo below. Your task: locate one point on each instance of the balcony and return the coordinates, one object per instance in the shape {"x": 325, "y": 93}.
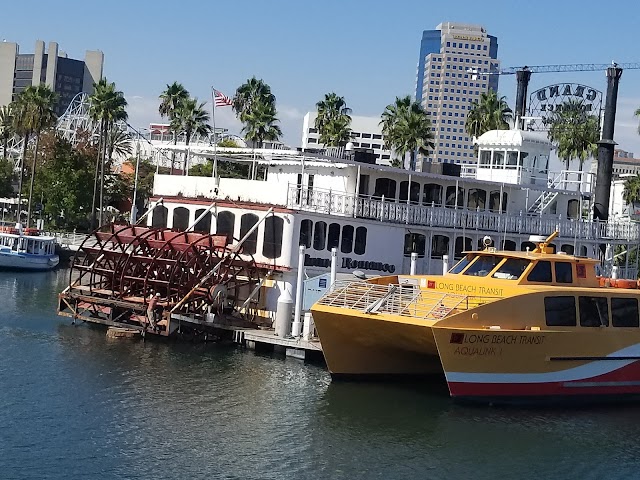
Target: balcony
{"x": 325, "y": 201}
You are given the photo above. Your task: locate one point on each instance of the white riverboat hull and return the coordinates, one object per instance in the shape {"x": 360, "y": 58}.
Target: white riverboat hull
{"x": 27, "y": 261}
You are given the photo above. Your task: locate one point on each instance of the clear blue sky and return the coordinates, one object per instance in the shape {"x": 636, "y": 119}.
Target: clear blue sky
{"x": 366, "y": 51}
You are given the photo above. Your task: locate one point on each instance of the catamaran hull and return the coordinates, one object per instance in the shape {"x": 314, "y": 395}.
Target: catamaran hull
{"x": 355, "y": 346}
{"x": 493, "y": 366}
{"x": 32, "y": 262}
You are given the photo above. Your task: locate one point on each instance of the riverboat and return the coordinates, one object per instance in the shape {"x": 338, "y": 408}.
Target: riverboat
{"x": 502, "y": 326}
{"x": 26, "y": 249}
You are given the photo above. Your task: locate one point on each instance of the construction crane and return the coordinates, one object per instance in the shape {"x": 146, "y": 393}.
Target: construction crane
{"x": 574, "y": 67}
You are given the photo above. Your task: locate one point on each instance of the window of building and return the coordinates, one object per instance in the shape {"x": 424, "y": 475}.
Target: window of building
{"x": 346, "y": 244}
{"x": 541, "y": 272}
{"x": 462, "y": 244}
{"x": 360, "y": 244}
{"x": 413, "y": 194}
{"x": 247, "y": 221}
{"x": 594, "y": 311}
{"x": 509, "y": 245}
{"x": 439, "y": 246}
{"x": 377, "y": 136}
{"x": 272, "y": 244}
{"x": 564, "y": 272}
{"x": 306, "y": 233}
{"x": 414, "y": 243}
{"x": 366, "y": 135}
{"x": 319, "y": 235}
{"x": 494, "y": 201}
{"x": 333, "y": 239}
{"x": 312, "y": 140}
{"x": 560, "y": 311}
{"x": 624, "y": 312}
{"x": 452, "y": 199}
{"x": 313, "y": 130}
{"x": 225, "y": 225}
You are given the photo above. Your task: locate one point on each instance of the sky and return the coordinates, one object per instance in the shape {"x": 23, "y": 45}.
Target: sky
{"x": 366, "y": 51}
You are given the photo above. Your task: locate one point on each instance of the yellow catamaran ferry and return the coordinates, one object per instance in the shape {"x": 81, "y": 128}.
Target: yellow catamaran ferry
{"x": 502, "y": 326}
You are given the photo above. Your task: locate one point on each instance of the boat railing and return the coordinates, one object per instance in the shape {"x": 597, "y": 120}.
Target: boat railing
{"x": 398, "y": 299}
{"x": 392, "y": 211}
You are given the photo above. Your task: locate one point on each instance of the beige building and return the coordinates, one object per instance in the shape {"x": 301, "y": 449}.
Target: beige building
{"x": 50, "y": 66}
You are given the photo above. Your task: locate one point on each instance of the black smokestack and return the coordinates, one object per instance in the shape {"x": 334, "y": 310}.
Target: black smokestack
{"x": 606, "y": 145}
{"x": 522, "y": 76}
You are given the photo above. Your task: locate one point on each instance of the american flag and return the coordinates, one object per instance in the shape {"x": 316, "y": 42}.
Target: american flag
{"x": 221, "y": 99}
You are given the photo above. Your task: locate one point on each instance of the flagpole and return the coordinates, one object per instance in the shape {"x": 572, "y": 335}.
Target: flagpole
{"x": 214, "y": 170}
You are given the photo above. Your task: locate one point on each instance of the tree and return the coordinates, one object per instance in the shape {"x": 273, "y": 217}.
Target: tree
{"x": 574, "y": 131}
{"x": 260, "y": 124}
{"x": 333, "y": 121}
{"x": 192, "y": 119}
{"x": 6, "y": 127}
{"x": 43, "y": 101}
{"x": 118, "y": 143}
{"x": 631, "y": 191}
{"x": 107, "y": 106}
{"x": 637, "y": 114}
{"x": 6, "y": 178}
{"x": 171, "y": 101}
{"x": 253, "y": 91}
{"x": 406, "y": 128}
{"x": 490, "y": 113}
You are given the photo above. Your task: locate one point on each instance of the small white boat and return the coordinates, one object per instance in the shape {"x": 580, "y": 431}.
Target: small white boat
{"x": 26, "y": 250}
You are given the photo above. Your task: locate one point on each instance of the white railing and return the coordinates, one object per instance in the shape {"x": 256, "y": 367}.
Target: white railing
{"x": 394, "y": 299}
{"x": 69, "y": 240}
{"x": 326, "y": 201}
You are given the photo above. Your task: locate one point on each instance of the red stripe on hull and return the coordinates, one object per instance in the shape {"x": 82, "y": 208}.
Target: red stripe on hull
{"x": 625, "y": 380}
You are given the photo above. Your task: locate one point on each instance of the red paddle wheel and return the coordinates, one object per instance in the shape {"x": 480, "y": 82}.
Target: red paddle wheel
{"x": 194, "y": 277}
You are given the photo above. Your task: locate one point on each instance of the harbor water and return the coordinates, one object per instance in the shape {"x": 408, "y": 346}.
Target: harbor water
{"x": 75, "y": 404}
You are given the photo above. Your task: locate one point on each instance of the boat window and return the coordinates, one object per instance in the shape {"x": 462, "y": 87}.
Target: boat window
{"x": 334, "y": 236}
{"x": 494, "y": 201}
{"x": 573, "y": 208}
{"x": 568, "y": 249}
{"x": 180, "y": 218}
{"x": 319, "y": 235}
{"x": 498, "y": 159}
{"x": 624, "y": 312}
{"x": 483, "y": 265}
{"x": 512, "y": 158}
{"x": 361, "y": 241}
{"x": 414, "y": 242}
{"x": 477, "y": 199}
{"x": 485, "y": 157}
{"x": 594, "y": 311}
{"x": 413, "y": 193}
{"x": 306, "y": 233}
{"x": 432, "y": 194}
{"x": 439, "y": 246}
{"x": 247, "y": 221}
{"x": 272, "y": 243}
{"x": 509, "y": 245}
{"x": 159, "y": 219}
{"x": 346, "y": 245}
{"x": 462, "y": 264}
{"x": 463, "y": 244}
{"x": 386, "y": 187}
{"x": 527, "y": 245}
{"x": 204, "y": 224}
{"x": 225, "y": 225}
{"x": 523, "y": 158}
{"x": 511, "y": 269}
{"x": 451, "y": 199}
{"x": 541, "y": 272}
{"x": 560, "y": 311}
{"x": 564, "y": 272}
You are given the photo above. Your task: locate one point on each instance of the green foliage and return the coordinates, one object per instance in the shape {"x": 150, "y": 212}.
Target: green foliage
{"x": 333, "y": 121}
{"x": 631, "y": 192}
{"x": 574, "y": 131}
{"x": 171, "y": 99}
{"x": 406, "y": 129}
{"x": 7, "y": 177}
{"x": 7, "y": 128}
{"x": 490, "y": 113}
{"x": 63, "y": 181}
{"x": 228, "y": 143}
{"x": 637, "y": 114}
{"x": 255, "y": 106}
{"x": 191, "y": 118}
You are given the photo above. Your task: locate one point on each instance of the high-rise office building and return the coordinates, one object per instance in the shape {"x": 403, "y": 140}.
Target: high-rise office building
{"x": 66, "y": 76}
{"x": 452, "y": 73}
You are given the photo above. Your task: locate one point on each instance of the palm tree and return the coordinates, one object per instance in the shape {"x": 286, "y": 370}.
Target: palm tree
{"x": 489, "y": 113}
{"x": 333, "y": 121}
{"x": 260, "y": 124}
{"x": 250, "y": 93}
{"x": 637, "y": 114}
{"x": 107, "y": 107}
{"x": 43, "y": 116}
{"x": 191, "y": 118}
{"x": 6, "y": 127}
{"x": 574, "y": 131}
{"x": 631, "y": 192}
{"x": 171, "y": 101}
{"x": 23, "y": 124}
{"x": 118, "y": 143}
{"x": 406, "y": 128}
